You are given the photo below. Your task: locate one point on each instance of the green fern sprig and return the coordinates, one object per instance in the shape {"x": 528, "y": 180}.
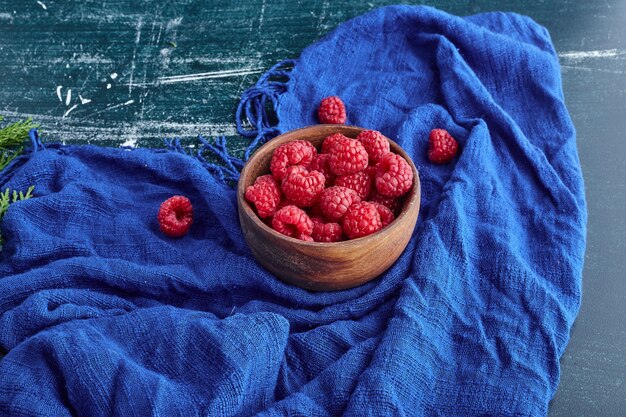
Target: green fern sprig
{"x": 14, "y": 134}
{"x": 12, "y": 138}
{"x": 7, "y": 156}
{"x": 7, "y": 198}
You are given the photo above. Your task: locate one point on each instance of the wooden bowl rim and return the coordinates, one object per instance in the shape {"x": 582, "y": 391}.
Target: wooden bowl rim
{"x": 412, "y": 197}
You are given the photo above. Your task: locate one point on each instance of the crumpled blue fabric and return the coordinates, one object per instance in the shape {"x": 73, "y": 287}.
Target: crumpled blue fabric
{"x": 102, "y": 315}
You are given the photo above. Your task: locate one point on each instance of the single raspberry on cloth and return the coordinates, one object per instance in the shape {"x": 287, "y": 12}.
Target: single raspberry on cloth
{"x": 361, "y": 219}
{"x": 394, "y": 176}
{"x": 392, "y": 203}
{"x": 374, "y": 143}
{"x": 334, "y": 201}
{"x": 331, "y": 110}
{"x": 441, "y": 146}
{"x": 292, "y": 221}
{"x": 175, "y": 216}
{"x": 359, "y": 182}
{"x": 386, "y": 215}
{"x": 302, "y": 186}
{"x": 326, "y": 232}
{"x": 265, "y": 194}
{"x": 331, "y": 140}
{"x": 298, "y": 152}
{"x": 348, "y": 156}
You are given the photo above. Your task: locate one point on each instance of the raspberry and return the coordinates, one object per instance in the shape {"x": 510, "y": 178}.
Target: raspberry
{"x": 335, "y": 201}
{"x": 291, "y": 153}
{"x": 306, "y": 238}
{"x": 315, "y": 211}
{"x": 326, "y": 232}
{"x": 331, "y": 141}
{"x": 361, "y": 219}
{"x": 302, "y": 186}
{"x": 332, "y": 110}
{"x": 371, "y": 171}
{"x": 320, "y": 163}
{"x": 347, "y": 157}
{"x": 394, "y": 176}
{"x": 392, "y": 203}
{"x": 386, "y": 215}
{"x": 284, "y": 202}
{"x": 292, "y": 221}
{"x": 175, "y": 216}
{"x": 265, "y": 195}
{"x": 441, "y": 146}
{"x": 374, "y": 143}
{"x": 359, "y": 182}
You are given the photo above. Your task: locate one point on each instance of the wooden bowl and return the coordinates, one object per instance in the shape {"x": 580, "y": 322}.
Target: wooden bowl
{"x": 323, "y": 266}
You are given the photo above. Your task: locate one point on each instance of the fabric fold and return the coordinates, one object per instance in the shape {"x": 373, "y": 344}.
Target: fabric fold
{"x": 103, "y": 315}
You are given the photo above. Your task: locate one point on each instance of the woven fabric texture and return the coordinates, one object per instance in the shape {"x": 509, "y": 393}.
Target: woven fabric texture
{"x": 103, "y": 315}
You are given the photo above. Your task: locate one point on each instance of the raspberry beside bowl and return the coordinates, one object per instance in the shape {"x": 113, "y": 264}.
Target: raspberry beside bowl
{"x": 323, "y": 266}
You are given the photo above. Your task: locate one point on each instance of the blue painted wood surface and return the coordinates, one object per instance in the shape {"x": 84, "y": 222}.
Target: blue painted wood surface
{"x": 124, "y": 72}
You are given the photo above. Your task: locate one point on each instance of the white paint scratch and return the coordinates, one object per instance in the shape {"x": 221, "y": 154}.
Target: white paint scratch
{"x": 108, "y": 86}
{"x": 69, "y": 110}
{"x": 115, "y": 106}
{"x": 6, "y": 16}
{"x": 173, "y": 23}
{"x": 262, "y": 16}
{"x": 113, "y": 76}
{"x": 87, "y": 130}
{"x": 82, "y": 58}
{"x": 68, "y": 97}
{"x": 604, "y": 53}
{"x": 587, "y": 69}
{"x": 43, "y": 6}
{"x": 59, "y": 87}
{"x": 207, "y": 75}
{"x": 83, "y": 100}
{"x": 132, "y": 63}
{"x": 130, "y": 142}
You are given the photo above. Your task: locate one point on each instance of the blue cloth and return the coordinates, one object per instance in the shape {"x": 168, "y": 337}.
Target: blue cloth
{"x": 102, "y": 315}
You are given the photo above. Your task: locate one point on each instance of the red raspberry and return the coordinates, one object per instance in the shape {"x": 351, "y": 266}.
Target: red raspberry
{"x": 291, "y": 153}
{"x": 394, "y": 176}
{"x": 292, "y": 221}
{"x": 386, "y": 215}
{"x": 371, "y": 171}
{"x": 331, "y": 141}
{"x": 374, "y": 143}
{"x": 332, "y": 110}
{"x": 265, "y": 195}
{"x": 284, "y": 202}
{"x": 359, "y": 182}
{"x": 326, "y": 232}
{"x": 361, "y": 219}
{"x": 315, "y": 211}
{"x": 335, "y": 201}
{"x": 441, "y": 146}
{"x": 320, "y": 163}
{"x": 347, "y": 157}
{"x": 392, "y": 203}
{"x": 302, "y": 186}
{"x": 175, "y": 216}
{"x": 306, "y": 238}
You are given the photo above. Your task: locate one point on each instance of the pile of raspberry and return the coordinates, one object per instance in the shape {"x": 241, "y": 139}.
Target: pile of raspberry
{"x": 348, "y": 189}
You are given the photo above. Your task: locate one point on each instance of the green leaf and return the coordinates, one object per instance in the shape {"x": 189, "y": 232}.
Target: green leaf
{"x": 6, "y": 201}
{"x": 14, "y": 134}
